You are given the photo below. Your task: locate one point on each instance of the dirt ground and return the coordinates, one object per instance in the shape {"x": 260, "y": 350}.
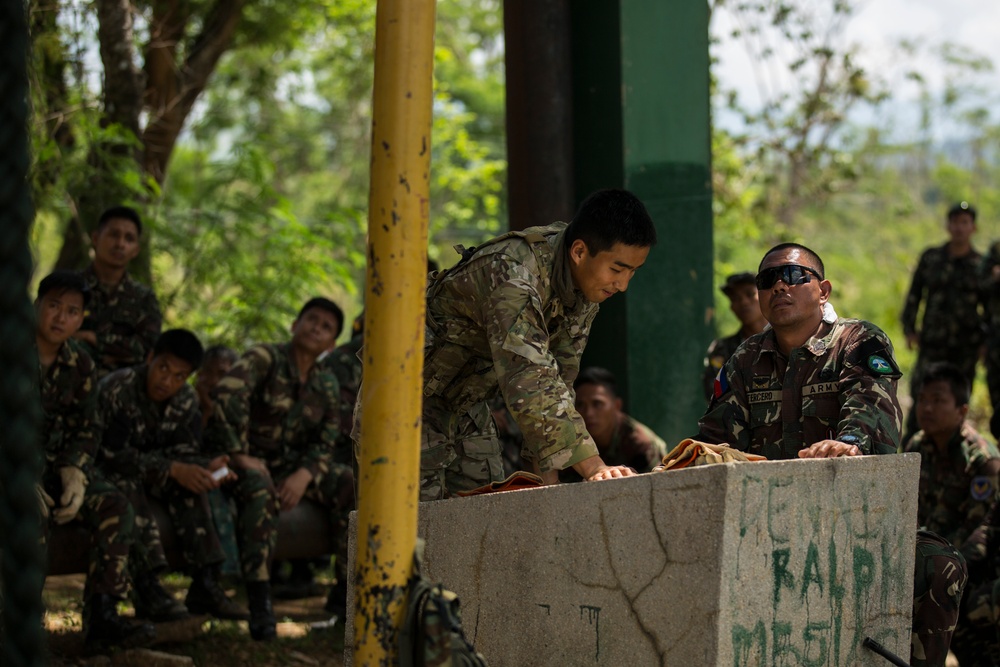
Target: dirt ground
{"x": 208, "y": 642}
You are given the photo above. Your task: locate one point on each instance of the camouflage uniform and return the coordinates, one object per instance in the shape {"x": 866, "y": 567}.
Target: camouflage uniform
{"x": 953, "y": 326}
{"x": 126, "y": 320}
{"x": 264, "y": 409}
{"x": 718, "y": 354}
{"x": 839, "y": 386}
{"x": 345, "y": 365}
{"x": 633, "y": 444}
{"x": 69, "y": 435}
{"x": 957, "y": 488}
{"x": 990, "y": 286}
{"x": 140, "y": 440}
{"x": 506, "y": 319}
{"x": 977, "y": 637}
{"x": 939, "y": 577}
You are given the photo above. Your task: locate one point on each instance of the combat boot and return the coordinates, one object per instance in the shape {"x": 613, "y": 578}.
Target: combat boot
{"x": 262, "y": 623}
{"x": 152, "y": 601}
{"x": 103, "y": 628}
{"x": 205, "y": 596}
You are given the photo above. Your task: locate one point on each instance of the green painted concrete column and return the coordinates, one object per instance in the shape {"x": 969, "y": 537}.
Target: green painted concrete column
{"x": 641, "y": 121}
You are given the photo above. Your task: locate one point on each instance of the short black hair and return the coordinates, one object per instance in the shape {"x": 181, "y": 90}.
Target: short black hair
{"x": 798, "y": 246}
{"x": 611, "y": 216}
{"x": 220, "y": 352}
{"x": 323, "y": 303}
{"x": 182, "y": 344}
{"x": 742, "y": 278}
{"x": 962, "y": 207}
{"x": 64, "y": 280}
{"x": 943, "y": 371}
{"x": 599, "y": 376}
{"x": 124, "y": 212}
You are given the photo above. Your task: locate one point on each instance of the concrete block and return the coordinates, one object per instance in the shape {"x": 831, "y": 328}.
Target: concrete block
{"x": 772, "y": 563}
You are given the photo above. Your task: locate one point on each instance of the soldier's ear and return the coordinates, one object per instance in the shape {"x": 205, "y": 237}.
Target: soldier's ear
{"x": 577, "y": 251}
{"x": 825, "y": 289}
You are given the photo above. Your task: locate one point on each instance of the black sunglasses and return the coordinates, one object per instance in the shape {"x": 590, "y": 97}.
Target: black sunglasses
{"x": 790, "y": 274}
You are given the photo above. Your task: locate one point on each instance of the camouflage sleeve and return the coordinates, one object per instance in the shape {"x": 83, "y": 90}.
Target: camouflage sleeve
{"x": 182, "y": 441}
{"x": 226, "y": 432}
{"x": 727, "y": 419}
{"x": 530, "y": 376}
{"x": 319, "y": 453}
{"x": 870, "y": 416}
{"x": 132, "y": 349}
{"x": 913, "y": 298}
{"x": 83, "y": 423}
{"x": 939, "y": 577}
{"x": 117, "y": 454}
{"x": 713, "y": 363}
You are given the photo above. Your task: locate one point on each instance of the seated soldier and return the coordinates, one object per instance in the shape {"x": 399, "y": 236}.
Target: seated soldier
{"x": 216, "y": 363}
{"x": 150, "y": 447}
{"x": 123, "y": 319}
{"x": 743, "y": 302}
{"x": 958, "y": 466}
{"x": 277, "y": 415}
{"x": 68, "y": 437}
{"x": 620, "y": 439}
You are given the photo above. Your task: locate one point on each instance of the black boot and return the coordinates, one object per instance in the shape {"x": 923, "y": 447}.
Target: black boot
{"x": 103, "y": 628}
{"x": 262, "y": 623}
{"x": 152, "y": 601}
{"x": 207, "y": 597}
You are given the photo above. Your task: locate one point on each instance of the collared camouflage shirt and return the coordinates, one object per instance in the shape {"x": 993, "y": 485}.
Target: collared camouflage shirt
{"x": 510, "y": 320}
{"x": 718, "y": 354}
{"x": 950, "y": 290}
{"x": 140, "y": 437}
{"x": 839, "y": 386}
{"x": 126, "y": 320}
{"x": 69, "y": 404}
{"x": 265, "y": 409}
{"x": 958, "y": 487}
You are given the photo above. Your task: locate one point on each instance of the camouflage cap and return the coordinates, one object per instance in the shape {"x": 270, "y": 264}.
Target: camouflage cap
{"x": 743, "y": 278}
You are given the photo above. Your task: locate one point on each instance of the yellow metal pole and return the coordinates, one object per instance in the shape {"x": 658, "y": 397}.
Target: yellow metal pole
{"x": 391, "y": 393}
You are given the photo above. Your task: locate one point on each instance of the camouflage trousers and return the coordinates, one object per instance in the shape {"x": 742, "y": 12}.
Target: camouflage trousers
{"x": 109, "y": 517}
{"x": 977, "y": 637}
{"x": 458, "y": 451}
{"x": 258, "y": 506}
{"x": 190, "y": 516}
{"x": 939, "y": 577}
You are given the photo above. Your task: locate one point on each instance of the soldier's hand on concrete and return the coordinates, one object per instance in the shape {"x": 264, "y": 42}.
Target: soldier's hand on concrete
{"x": 828, "y": 449}
{"x": 218, "y": 463}
{"x": 611, "y": 472}
{"x": 291, "y": 489}
{"x": 193, "y": 477}
{"x": 74, "y": 484}
{"x": 44, "y": 501}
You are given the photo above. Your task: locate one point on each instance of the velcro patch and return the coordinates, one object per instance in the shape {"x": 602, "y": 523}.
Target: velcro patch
{"x": 820, "y": 388}
{"x": 721, "y": 383}
{"x": 773, "y": 396}
{"x": 876, "y": 358}
{"x": 760, "y": 382}
{"x": 981, "y": 488}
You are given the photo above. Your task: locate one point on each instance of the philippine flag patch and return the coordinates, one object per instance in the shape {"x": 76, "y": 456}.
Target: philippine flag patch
{"x": 721, "y": 383}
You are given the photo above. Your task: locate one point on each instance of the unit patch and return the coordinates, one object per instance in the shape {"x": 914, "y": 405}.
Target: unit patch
{"x": 981, "y": 488}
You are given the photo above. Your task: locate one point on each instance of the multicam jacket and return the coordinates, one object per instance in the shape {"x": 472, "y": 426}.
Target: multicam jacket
{"x": 508, "y": 319}
{"x": 69, "y": 404}
{"x": 950, "y": 288}
{"x": 839, "y": 386}
{"x": 141, "y": 438}
{"x": 264, "y": 409}
{"x": 126, "y": 320}
{"x": 956, "y": 488}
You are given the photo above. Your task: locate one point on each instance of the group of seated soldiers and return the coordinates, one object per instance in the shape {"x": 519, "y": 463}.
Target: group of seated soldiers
{"x": 124, "y": 428}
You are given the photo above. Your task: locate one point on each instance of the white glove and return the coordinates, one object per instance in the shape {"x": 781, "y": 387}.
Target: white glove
{"x": 44, "y": 501}
{"x": 74, "y": 484}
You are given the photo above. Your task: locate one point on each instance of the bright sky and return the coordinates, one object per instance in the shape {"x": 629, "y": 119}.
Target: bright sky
{"x": 875, "y": 28}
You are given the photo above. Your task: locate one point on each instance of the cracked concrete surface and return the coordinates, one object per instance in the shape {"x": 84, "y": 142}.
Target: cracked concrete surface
{"x": 786, "y": 562}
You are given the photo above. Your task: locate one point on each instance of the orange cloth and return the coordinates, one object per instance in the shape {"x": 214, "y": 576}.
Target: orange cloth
{"x": 515, "y": 482}
{"x": 693, "y": 453}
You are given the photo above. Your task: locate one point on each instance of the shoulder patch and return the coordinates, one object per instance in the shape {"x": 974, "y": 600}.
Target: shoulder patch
{"x": 721, "y": 383}
{"x": 877, "y": 358}
{"x": 981, "y": 488}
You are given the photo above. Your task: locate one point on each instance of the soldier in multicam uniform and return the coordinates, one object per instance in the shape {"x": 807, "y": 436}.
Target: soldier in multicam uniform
{"x": 277, "y": 415}
{"x": 742, "y": 295}
{"x": 69, "y": 439}
{"x": 513, "y": 317}
{"x": 620, "y": 439}
{"x": 958, "y": 466}
{"x": 947, "y": 281}
{"x": 841, "y": 401}
{"x": 150, "y": 447}
{"x": 123, "y": 319}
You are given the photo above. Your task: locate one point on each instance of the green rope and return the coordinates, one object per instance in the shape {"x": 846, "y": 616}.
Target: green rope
{"x": 23, "y": 566}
